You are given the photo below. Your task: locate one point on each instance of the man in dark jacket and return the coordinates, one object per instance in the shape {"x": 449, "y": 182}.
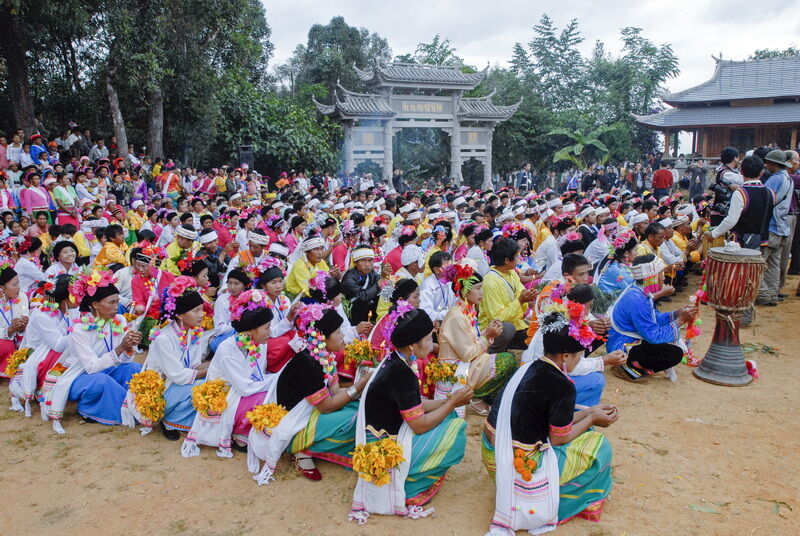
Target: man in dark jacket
{"x": 361, "y": 286}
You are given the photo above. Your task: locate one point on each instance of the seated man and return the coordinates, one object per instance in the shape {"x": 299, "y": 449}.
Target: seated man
{"x": 504, "y": 297}
{"x": 361, "y": 285}
{"x": 651, "y": 339}
{"x": 435, "y": 295}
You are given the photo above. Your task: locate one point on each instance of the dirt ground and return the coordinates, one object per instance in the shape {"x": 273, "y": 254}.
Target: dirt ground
{"x": 690, "y": 458}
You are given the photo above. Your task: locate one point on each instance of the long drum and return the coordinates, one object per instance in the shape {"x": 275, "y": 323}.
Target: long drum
{"x": 733, "y": 276}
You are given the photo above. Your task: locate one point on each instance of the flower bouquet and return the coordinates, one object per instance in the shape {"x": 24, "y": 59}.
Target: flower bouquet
{"x": 440, "y": 371}
{"x": 210, "y": 398}
{"x": 374, "y": 461}
{"x": 148, "y": 387}
{"x": 360, "y": 354}
{"x": 16, "y": 359}
{"x": 266, "y": 416}
{"x": 526, "y": 462}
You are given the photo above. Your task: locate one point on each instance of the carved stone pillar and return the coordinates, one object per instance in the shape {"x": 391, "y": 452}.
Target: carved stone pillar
{"x": 487, "y": 163}
{"x": 455, "y": 152}
{"x": 388, "y": 157}
{"x": 349, "y": 161}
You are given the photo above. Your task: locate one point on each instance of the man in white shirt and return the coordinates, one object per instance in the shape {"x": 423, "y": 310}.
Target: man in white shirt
{"x": 478, "y": 252}
{"x": 436, "y": 297}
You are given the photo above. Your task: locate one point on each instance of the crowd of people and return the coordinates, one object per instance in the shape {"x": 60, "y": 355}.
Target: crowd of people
{"x": 317, "y": 319}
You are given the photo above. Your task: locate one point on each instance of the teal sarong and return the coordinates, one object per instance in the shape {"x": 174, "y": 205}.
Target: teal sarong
{"x": 432, "y": 454}
{"x": 584, "y": 467}
{"x": 329, "y": 436}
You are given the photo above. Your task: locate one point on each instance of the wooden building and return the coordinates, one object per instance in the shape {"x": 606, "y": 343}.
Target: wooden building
{"x": 744, "y": 105}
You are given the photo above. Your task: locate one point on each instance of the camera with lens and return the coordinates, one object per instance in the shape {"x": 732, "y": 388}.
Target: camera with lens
{"x": 722, "y": 200}
{"x": 722, "y": 190}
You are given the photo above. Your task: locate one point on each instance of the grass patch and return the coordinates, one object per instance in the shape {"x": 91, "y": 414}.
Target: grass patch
{"x": 54, "y": 515}
{"x": 178, "y": 526}
{"x": 21, "y": 438}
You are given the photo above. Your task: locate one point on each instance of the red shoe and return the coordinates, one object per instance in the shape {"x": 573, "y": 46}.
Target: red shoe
{"x": 311, "y": 474}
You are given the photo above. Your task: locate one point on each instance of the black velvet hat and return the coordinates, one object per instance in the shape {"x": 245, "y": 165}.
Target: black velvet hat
{"x": 252, "y": 319}
{"x": 330, "y": 322}
{"x": 411, "y": 327}
{"x": 100, "y": 294}
{"x": 187, "y": 301}
{"x": 332, "y": 289}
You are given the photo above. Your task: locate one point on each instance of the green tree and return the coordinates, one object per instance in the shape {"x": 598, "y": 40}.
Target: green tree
{"x": 772, "y": 53}
{"x": 333, "y": 48}
{"x": 283, "y": 133}
{"x": 584, "y": 145}
{"x": 438, "y": 52}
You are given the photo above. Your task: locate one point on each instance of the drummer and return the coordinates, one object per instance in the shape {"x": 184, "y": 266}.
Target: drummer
{"x": 650, "y": 339}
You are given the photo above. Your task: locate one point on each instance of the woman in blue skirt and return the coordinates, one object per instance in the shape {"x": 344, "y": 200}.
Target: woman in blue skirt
{"x": 103, "y": 346}
{"x": 177, "y": 352}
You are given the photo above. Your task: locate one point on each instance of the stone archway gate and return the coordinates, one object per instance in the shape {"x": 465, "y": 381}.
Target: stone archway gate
{"x": 417, "y": 96}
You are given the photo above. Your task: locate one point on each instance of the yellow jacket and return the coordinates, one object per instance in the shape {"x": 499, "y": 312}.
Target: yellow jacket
{"x": 301, "y": 272}
{"x": 111, "y": 254}
{"x": 501, "y": 299}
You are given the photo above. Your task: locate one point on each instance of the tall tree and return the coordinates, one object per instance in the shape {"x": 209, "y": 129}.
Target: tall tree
{"x": 14, "y": 15}
{"x": 438, "y": 52}
{"x": 333, "y": 48}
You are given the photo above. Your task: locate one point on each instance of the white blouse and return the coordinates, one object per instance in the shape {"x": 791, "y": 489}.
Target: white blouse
{"x": 44, "y": 329}
{"x": 222, "y": 314}
{"x": 232, "y": 365}
{"x": 95, "y": 348}
{"x": 17, "y": 310}
{"x": 29, "y": 274}
{"x": 280, "y": 324}
{"x": 178, "y": 365}
{"x": 56, "y": 269}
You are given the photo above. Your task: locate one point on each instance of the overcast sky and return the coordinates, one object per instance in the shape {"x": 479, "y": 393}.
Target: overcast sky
{"x": 485, "y": 31}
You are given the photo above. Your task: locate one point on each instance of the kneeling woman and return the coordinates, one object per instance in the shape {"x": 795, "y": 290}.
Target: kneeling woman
{"x": 241, "y": 361}
{"x": 462, "y": 343}
{"x": 100, "y": 364}
{"x": 177, "y": 352}
{"x": 13, "y": 314}
{"x": 322, "y": 416}
{"x": 430, "y": 433}
{"x": 549, "y": 466}
{"x": 47, "y": 337}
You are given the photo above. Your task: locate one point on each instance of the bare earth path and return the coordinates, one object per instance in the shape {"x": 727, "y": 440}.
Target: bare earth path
{"x": 690, "y": 459}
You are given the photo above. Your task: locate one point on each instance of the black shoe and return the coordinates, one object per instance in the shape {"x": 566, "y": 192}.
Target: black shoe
{"x": 89, "y": 420}
{"x": 170, "y": 435}
{"x": 237, "y": 447}
{"x": 782, "y": 296}
{"x": 665, "y": 299}
{"x": 772, "y": 304}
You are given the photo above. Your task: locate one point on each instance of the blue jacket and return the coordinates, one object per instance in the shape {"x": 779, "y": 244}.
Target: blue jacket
{"x": 634, "y": 312}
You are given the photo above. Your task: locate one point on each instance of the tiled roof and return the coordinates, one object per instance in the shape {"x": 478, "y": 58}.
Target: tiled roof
{"x": 788, "y": 112}
{"x": 364, "y": 105}
{"x": 410, "y": 73}
{"x": 356, "y": 104}
{"x": 484, "y": 108}
{"x": 754, "y": 79}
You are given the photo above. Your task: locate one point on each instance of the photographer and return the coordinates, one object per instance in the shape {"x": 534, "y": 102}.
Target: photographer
{"x": 726, "y": 180}
{"x": 750, "y": 208}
